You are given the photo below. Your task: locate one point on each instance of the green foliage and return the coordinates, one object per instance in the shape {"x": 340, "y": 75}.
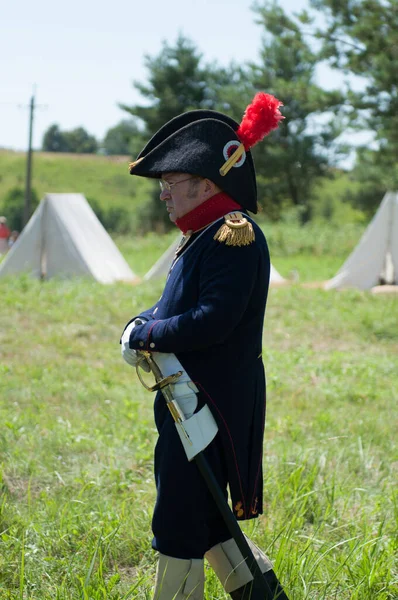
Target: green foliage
{"x": 77, "y": 438}
{"x": 376, "y": 175}
{"x": 13, "y": 206}
{"x": 293, "y": 158}
{"x": 316, "y": 238}
{"x": 115, "y": 219}
{"x": 54, "y": 140}
{"x": 177, "y": 82}
{"x": 290, "y": 162}
{"x": 77, "y": 140}
{"x": 123, "y": 202}
{"x": 123, "y": 139}
{"x": 118, "y": 196}
{"x": 360, "y": 37}
{"x": 153, "y": 217}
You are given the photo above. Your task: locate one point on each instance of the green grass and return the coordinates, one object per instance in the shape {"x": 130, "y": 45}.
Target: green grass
{"x": 315, "y": 251}
{"x": 339, "y": 187}
{"x": 142, "y": 252}
{"x": 77, "y": 436}
{"x": 103, "y": 179}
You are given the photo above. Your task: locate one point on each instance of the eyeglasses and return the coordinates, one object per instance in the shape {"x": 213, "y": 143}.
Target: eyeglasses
{"x": 165, "y": 186}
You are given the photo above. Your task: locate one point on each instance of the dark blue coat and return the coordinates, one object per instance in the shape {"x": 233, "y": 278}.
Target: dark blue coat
{"x": 210, "y": 316}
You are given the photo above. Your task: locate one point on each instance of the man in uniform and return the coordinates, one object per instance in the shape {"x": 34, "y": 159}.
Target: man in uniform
{"x": 209, "y": 320}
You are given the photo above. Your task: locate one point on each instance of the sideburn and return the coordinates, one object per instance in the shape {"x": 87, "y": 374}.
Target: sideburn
{"x": 193, "y": 187}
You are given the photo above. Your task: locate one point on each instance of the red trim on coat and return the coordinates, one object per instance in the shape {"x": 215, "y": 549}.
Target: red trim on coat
{"x": 232, "y": 444}
{"x": 260, "y": 461}
{"x": 149, "y": 335}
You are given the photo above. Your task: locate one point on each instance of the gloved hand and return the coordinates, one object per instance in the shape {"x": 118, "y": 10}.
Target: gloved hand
{"x": 132, "y": 356}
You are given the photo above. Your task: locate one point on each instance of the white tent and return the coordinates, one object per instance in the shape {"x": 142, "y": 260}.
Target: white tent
{"x": 375, "y": 258}
{"x": 64, "y": 238}
{"x": 275, "y": 278}
{"x": 162, "y": 266}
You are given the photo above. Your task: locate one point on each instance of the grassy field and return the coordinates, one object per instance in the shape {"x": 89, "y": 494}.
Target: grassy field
{"x": 314, "y": 252}
{"x": 77, "y": 435}
{"x": 104, "y": 178}
{"x": 105, "y": 182}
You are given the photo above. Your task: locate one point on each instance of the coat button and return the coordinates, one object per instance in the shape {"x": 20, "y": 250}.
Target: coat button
{"x": 151, "y": 345}
{"x": 141, "y": 344}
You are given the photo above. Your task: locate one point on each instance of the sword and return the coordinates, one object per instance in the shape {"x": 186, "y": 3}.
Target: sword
{"x": 163, "y": 384}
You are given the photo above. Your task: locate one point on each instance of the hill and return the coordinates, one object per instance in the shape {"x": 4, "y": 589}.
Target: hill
{"x": 105, "y": 182}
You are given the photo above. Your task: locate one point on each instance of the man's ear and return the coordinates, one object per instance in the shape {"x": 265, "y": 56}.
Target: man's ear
{"x": 210, "y": 188}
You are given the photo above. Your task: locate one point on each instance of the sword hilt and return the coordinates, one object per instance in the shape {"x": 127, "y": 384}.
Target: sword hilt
{"x": 162, "y": 384}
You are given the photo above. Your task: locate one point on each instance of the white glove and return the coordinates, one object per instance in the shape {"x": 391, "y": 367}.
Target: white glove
{"x": 132, "y": 356}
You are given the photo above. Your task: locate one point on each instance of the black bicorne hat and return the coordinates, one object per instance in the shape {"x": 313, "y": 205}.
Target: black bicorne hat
{"x": 206, "y": 143}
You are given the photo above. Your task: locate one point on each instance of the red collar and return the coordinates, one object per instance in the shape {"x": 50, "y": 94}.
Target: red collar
{"x": 212, "y": 209}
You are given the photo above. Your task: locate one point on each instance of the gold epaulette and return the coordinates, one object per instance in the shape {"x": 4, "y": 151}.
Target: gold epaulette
{"x": 236, "y": 231}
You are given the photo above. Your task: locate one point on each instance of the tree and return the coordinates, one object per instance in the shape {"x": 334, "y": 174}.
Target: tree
{"x": 376, "y": 172}
{"x": 291, "y": 160}
{"x": 54, "y": 140}
{"x": 125, "y": 139}
{"x": 360, "y": 37}
{"x": 178, "y": 82}
{"x": 77, "y": 140}
{"x": 80, "y": 141}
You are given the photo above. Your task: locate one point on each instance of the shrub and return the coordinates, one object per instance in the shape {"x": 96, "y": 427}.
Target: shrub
{"x": 13, "y": 207}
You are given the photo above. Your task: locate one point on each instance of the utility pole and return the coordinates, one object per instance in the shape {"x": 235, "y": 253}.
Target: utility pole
{"x": 28, "y": 186}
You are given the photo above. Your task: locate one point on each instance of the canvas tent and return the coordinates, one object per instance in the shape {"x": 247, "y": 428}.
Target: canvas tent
{"x": 64, "y": 238}
{"x": 275, "y": 278}
{"x": 162, "y": 266}
{"x": 375, "y": 258}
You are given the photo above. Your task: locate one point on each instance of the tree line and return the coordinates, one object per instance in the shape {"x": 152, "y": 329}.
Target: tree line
{"x": 354, "y": 37}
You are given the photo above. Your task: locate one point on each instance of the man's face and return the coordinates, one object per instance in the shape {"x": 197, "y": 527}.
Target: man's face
{"x": 185, "y": 193}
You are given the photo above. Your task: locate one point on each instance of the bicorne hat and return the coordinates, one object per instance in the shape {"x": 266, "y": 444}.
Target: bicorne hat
{"x": 214, "y": 146}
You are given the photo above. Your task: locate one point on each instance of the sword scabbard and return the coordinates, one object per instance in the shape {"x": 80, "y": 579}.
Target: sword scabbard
{"x": 162, "y": 384}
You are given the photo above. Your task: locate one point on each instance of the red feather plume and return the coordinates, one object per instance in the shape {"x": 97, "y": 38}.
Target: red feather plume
{"x": 259, "y": 119}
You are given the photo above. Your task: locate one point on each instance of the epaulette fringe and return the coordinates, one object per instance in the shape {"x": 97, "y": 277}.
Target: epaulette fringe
{"x": 236, "y": 231}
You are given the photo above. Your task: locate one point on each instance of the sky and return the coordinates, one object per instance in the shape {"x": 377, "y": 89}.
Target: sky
{"x": 80, "y": 58}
